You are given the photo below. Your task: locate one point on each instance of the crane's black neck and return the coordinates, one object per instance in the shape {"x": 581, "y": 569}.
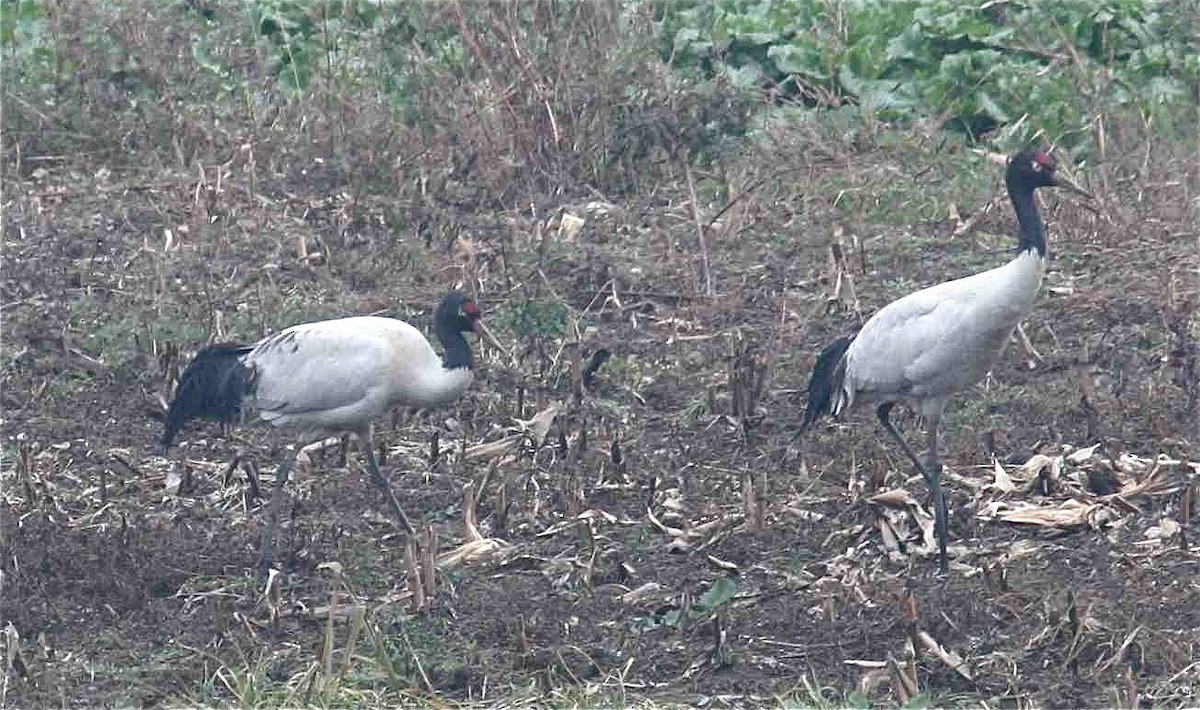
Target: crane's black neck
{"x": 1033, "y": 233}
{"x": 457, "y": 350}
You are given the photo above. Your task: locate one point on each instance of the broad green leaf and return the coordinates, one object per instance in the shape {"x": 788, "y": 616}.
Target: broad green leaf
{"x": 721, "y": 591}
{"x": 798, "y": 59}
{"x": 745, "y": 77}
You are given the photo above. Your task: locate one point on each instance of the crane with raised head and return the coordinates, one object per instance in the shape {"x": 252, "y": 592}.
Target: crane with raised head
{"x": 329, "y": 377}
{"x": 927, "y": 346}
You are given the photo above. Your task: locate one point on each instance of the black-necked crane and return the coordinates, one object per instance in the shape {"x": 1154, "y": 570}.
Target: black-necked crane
{"x": 928, "y": 345}
{"x": 329, "y": 377}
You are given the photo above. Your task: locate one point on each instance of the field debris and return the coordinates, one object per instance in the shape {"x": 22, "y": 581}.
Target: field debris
{"x": 641, "y": 533}
{"x": 1078, "y": 488}
{"x": 1083, "y": 487}
{"x": 531, "y": 431}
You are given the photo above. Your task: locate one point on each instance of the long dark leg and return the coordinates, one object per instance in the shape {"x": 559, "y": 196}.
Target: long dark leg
{"x": 933, "y": 467}
{"x": 266, "y": 548}
{"x": 368, "y": 442}
{"x": 932, "y": 477}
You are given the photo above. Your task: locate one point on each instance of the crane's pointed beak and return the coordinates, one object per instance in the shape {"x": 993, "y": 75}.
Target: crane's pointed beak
{"x": 1062, "y": 180}
{"x": 487, "y": 336}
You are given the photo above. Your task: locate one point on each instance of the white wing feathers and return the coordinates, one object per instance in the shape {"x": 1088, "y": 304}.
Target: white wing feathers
{"x": 322, "y": 375}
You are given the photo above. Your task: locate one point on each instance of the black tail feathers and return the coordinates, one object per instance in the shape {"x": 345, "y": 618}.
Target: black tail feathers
{"x": 826, "y": 380}
{"x": 211, "y": 387}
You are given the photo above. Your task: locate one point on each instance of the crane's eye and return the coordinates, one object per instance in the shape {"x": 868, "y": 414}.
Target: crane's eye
{"x": 1037, "y": 167}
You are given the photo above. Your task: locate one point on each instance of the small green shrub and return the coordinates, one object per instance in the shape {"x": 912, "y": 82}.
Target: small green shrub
{"x": 720, "y": 593}
{"x": 534, "y": 318}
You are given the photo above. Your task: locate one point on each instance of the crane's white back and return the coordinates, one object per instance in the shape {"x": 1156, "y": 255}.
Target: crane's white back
{"x": 942, "y": 338}
{"x": 336, "y": 374}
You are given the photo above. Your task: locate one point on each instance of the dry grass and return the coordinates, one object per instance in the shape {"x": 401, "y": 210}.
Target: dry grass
{"x": 642, "y": 533}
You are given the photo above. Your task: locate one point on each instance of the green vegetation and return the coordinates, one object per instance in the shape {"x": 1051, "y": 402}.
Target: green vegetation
{"x": 534, "y": 318}
{"x": 813, "y": 696}
{"x": 521, "y": 88}
{"x": 716, "y": 597}
{"x": 180, "y": 171}
{"x": 1027, "y": 68}
{"x": 537, "y": 83}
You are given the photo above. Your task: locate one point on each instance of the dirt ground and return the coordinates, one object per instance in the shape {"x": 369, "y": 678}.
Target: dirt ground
{"x": 598, "y": 576}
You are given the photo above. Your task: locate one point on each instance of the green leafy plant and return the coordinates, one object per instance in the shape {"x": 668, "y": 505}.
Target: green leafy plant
{"x": 981, "y": 66}
{"x": 720, "y": 593}
{"x": 22, "y": 27}
{"x": 534, "y": 318}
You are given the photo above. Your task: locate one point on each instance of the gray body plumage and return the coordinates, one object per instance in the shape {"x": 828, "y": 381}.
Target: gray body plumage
{"x": 932, "y": 343}
{"x": 339, "y": 375}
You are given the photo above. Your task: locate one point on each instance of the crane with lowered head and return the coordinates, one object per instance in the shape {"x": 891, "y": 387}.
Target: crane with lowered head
{"x": 927, "y": 346}
{"x": 329, "y": 377}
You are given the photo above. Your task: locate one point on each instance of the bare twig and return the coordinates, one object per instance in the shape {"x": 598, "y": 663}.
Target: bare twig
{"x": 1025, "y": 343}
{"x": 416, "y": 660}
{"x": 705, "y": 272}
{"x": 970, "y": 222}
{"x": 1118, "y": 654}
{"x": 413, "y": 568}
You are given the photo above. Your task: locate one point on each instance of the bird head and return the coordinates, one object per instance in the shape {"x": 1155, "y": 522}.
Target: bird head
{"x": 468, "y": 314}
{"x": 1035, "y": 168}
{"x": 458, "y": 312}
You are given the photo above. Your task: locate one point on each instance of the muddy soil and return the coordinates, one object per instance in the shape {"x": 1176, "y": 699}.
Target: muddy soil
{"x": 128, "y": 576}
